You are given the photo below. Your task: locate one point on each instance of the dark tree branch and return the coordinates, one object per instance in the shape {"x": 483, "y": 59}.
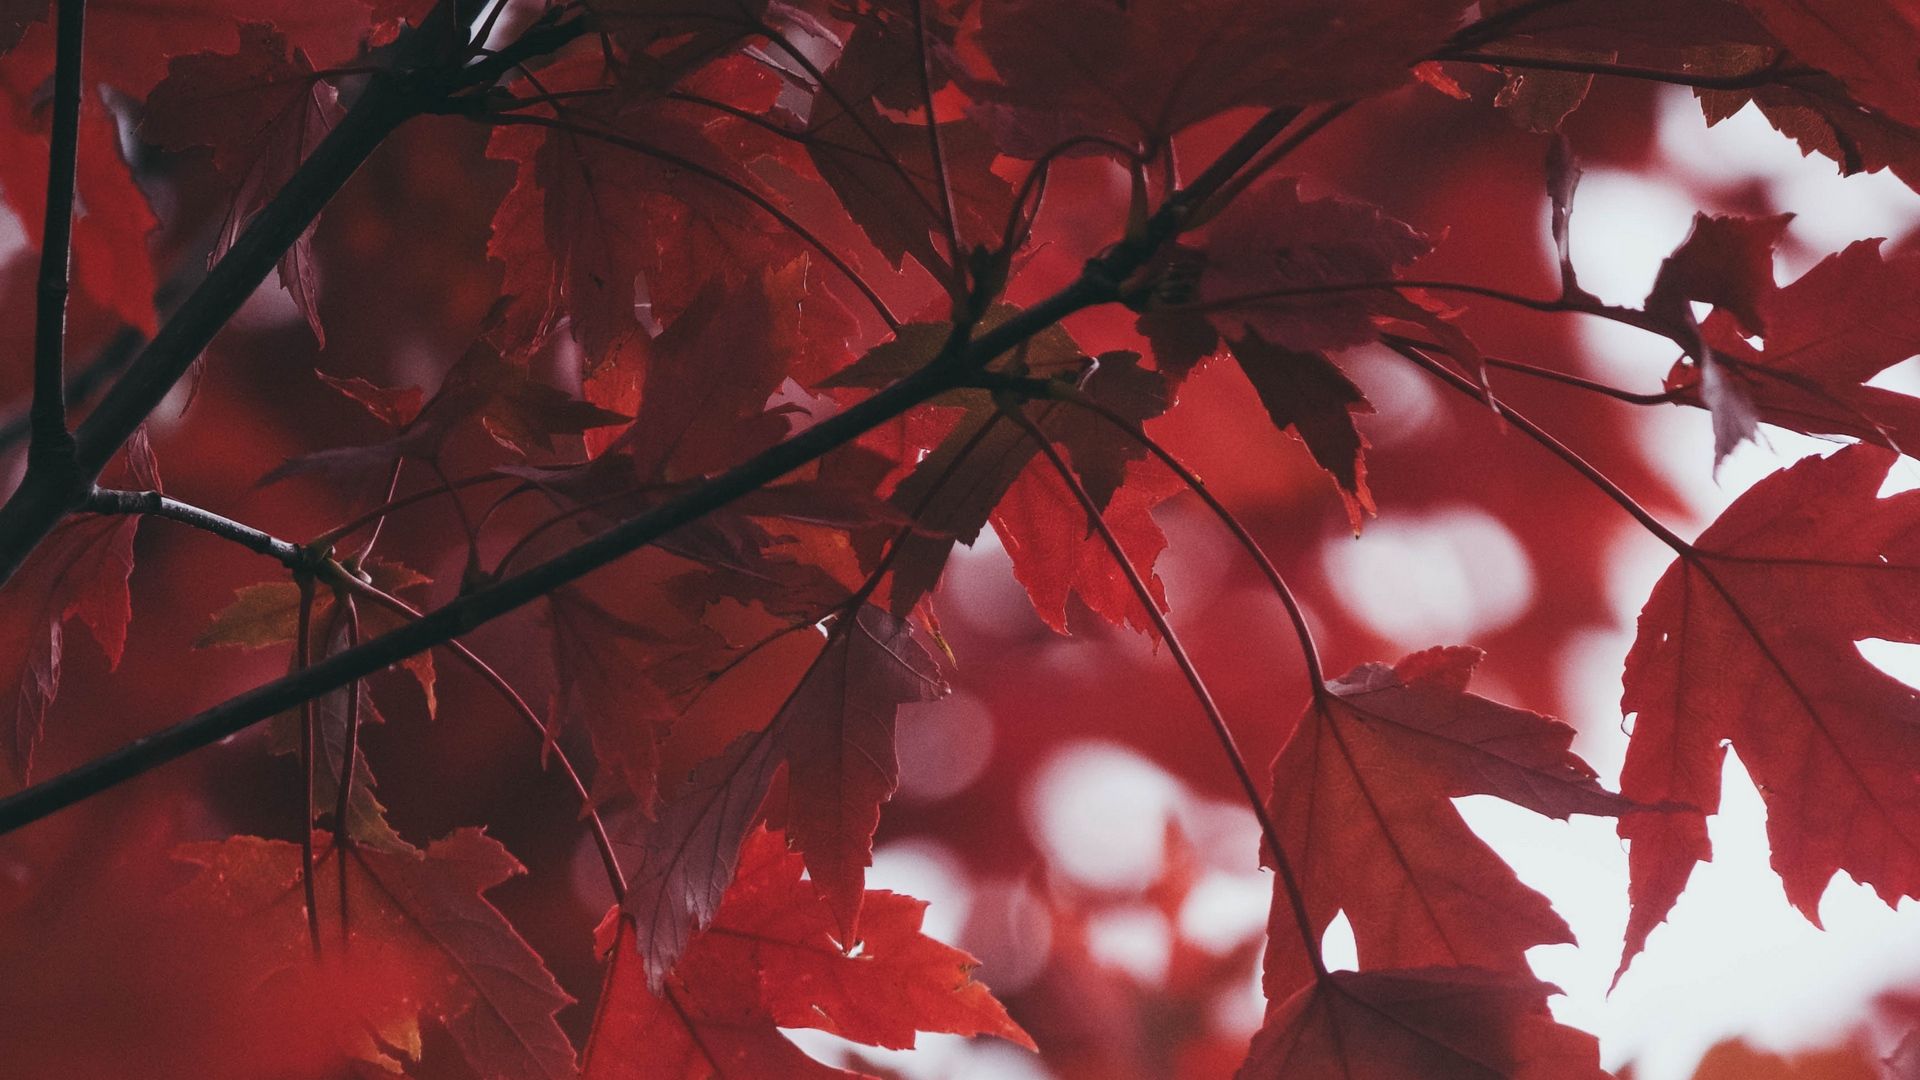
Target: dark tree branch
{"x": 414, "y": 86}
{"x": 51, "y": 449}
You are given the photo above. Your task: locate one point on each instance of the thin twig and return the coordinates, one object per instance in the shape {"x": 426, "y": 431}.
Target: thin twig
{"x": 1769, "y": 74}
{"x": 941, "y": 180}
{"x": 379, "y": 513}
{"x": 154, "y": 504}
{"x": 1538, "y": 434}
{"x": 348, "y": 755}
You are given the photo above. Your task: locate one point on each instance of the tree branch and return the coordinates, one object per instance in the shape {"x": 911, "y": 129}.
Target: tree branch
{"x": 154, "y": 504}
{"x": 51, "y": 449}
{"x": 390, "y": 99}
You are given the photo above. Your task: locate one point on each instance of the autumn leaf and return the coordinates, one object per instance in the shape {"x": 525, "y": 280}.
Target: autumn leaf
{"x": 600, "y": 673}
{"x": 80, "y": 571}
{"x": 424, "y": 944}
{"x": 1307, "y": 391}
{"x": 1824, "y": 336}
{"x": 1748, "y": 642}
{"x": 771, "y": 959}
{"x": 1867, "y": 44}
{"x": 1420, "y": 1024}
{"x": 273, "y": 109}
{"x": 515, "y": 409}
{"x": 1362, "y": 796}
{"x": 595, "y": 230}
{"x": 881, "y": 167}
{"x": 1726, "y": 262}
{"x": 835, "y": 735}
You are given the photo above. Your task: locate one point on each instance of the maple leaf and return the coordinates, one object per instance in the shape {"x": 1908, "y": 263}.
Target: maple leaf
{"x": 1868, "y": 44}
{"x": 1309, "y": 393}
{"x": 1421, "y": 1024}
{"x": 600, "y": 674}
{"x": 882, "y": 168}
{"x": 1815, "y": 110}
{"x": 1724, "y": 261}
{"x": 986, "y": 470}
{"x": 690, "y": 422}
{"x": 1275, "y": 265}
{"x": 592, "y": 228}
{"x": 771, "y": 959}
{"x": 1361, "y": 799}
{"x": 1748, "y": 641}
{"x": 79, "y": 571}
{"x": 1841, "y": 323}
{"x": 1142, "y": 73}
{"x": 835, "y": 735}
{"x": 424, "y": 943}
{"x": 271, "y": 109}
{"x": 1055, "y": 551}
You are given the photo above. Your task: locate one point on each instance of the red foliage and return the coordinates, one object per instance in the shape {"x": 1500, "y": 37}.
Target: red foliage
{"x": 665, "y": 353}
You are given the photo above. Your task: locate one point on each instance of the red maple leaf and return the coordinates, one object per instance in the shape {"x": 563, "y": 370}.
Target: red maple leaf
{"x": 1825, "y": 335}
{"x": 424, "y": 943}
{"x": 1361, "y": 798}
{"x": 1748, "y": 641}
{"x": 835, "y": 734}
{"x": 273, "y": 109}
{"x": 770, "y": 959}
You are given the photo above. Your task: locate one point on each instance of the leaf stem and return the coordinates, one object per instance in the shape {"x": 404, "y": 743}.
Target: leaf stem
{"x": 1283, "y": 867}
{"x": 303, "y": 658}
{"x": 616, "y": 877}
{"x": 1309, "y": 652}
{"x": 379, "y": 513}
{"x": 1768, "y": 74}
{"x": 348, "y": 756}
{"x": 1639, "y": 320}
{"x": 1538, "y": 434}
{"x": 924, "y": 69}
{"x": 1664, "y": 397}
